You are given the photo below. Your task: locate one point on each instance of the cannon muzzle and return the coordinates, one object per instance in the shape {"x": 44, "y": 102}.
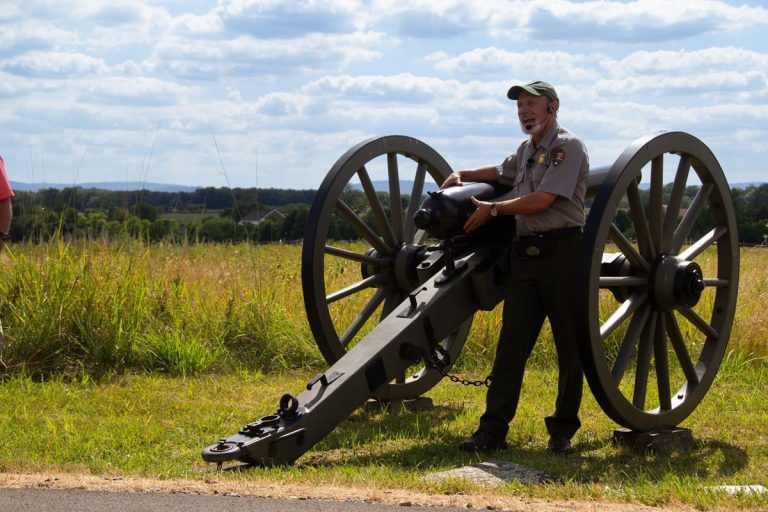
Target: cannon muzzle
{"x": 444, "y": 212}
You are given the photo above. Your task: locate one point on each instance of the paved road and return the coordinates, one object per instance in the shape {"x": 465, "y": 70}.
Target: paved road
{"x": 75, "y": 500}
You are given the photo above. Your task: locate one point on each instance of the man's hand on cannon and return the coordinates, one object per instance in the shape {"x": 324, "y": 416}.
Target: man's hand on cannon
{"x": 453, "y": 180}
{"x": 480, "y": 216}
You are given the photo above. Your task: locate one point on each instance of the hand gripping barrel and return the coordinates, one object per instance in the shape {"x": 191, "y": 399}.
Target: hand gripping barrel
{"x": 656, "y": 303}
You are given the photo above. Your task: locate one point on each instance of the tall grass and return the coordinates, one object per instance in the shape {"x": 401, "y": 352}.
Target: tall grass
{"x": 105, "y": 307}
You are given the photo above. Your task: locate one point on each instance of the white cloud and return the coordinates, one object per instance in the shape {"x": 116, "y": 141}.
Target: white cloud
{"x": 245, "y": 56}
{"x": 639, "y": 21}
{"x": 721, "y": 83}
{"x": 401, "y": 87}
{"x": 495, "y": 61}
{"x": 136, "y": 91}
{"x": 53, "y": 64}
{"x": 684, "y": 61}
{"x": 8, "y": 12}
{"x": 19, "y": 38}
{"x": 306, "y": 80}
{"x": 281, "y": 20}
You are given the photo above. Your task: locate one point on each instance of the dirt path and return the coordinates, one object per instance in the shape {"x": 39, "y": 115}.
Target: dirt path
{"x": 266, "y": 488}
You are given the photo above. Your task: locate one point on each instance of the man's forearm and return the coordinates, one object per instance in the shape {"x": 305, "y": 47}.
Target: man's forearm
{"x": 487, "y": 173}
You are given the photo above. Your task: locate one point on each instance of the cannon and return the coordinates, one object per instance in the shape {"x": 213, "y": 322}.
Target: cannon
{"x": 656, "y": 302}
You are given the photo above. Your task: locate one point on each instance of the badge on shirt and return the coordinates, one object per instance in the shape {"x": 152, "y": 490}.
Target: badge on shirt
{"x": 542, "y": 159}
{"x": 558, "y": 156}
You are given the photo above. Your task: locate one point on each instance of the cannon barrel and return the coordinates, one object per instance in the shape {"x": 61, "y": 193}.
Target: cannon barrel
{"x": 443, "y": 212}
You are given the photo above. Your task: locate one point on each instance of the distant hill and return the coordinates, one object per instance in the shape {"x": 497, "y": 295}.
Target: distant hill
{"x": 740, "y": 185}
{"x": 379, "y": 185}
{"x": 746, "y": 184}
{"x": 114, "y": 186}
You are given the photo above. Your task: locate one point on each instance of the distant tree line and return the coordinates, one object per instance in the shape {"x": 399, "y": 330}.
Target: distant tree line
{"x": 220, "y": 214}
{"x": 205, "y": 215}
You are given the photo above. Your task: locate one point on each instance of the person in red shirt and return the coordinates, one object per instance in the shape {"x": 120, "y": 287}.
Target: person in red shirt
{"x": 6, "y": 212}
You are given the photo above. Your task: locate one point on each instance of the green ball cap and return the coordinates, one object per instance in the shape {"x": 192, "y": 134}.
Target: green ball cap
{"x": 537, "y": 88}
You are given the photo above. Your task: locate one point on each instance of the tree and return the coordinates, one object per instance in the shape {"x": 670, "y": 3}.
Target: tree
{"x": 216, "y": 229}
{"x": 145, "y": 211}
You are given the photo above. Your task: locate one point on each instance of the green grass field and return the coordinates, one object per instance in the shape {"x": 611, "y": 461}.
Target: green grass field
{"x": 190, "y": 217}
{"x": 155, "y": 426}
{"x": 129, "y": 359}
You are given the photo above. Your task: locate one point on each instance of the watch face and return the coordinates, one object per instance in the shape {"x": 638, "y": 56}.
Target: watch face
{"x": 494, "y": 211}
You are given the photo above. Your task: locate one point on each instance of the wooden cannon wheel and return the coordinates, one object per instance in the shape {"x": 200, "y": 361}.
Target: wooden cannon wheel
{"x": 348, "y": 289}
{"x": 658, "y": 304}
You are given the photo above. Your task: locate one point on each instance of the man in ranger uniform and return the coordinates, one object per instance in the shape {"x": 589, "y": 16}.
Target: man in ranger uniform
{"x": 548, "y": 175}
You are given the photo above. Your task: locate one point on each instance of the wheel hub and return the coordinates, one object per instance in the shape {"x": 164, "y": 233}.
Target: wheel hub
{"x": 401, "y": 270}
{"x": 676, "y": 283}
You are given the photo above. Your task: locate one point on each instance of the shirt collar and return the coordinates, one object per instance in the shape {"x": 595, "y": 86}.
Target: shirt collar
{"x": 549, "y": 137}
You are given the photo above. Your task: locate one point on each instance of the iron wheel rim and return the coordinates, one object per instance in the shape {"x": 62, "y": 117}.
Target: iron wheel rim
{"x": 652, "y": 327}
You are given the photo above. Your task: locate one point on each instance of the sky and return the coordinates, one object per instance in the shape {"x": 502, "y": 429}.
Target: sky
{"x": 269, "y": 93}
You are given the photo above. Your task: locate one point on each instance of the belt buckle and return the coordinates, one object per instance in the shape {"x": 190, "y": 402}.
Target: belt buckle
{"x": 532, "y": 251}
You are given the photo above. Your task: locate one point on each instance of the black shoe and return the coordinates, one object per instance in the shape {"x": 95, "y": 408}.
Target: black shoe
{"x": 482, "y": 442}
{"x": 559, "y": 445}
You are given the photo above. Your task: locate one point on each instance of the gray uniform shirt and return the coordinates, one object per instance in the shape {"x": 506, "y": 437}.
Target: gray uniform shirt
{"x": 559, "y": 164}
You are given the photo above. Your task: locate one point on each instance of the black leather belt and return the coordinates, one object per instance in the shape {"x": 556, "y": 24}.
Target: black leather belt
{"x": 555, "y": 233}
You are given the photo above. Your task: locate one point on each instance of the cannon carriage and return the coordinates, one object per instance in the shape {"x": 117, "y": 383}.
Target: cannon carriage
{"x": 656, "y": 301}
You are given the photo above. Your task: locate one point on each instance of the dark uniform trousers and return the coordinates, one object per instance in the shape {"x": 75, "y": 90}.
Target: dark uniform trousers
{"x": 541, "y": 287}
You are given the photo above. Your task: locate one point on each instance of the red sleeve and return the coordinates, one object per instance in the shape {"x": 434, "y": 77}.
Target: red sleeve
{"x": 5, "y": 186}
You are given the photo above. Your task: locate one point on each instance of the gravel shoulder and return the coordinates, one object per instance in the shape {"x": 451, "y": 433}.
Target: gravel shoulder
{"x": 265, "y": 488}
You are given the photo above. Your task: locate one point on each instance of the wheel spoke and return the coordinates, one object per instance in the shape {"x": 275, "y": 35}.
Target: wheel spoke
{"x": 644, "y": 362}
{"x": 699, "y": 323}
{"x": 675, "y": 202}
{"x": 419, "y": 237}
{"x": 701, "y": 244}
{"x": 623, "y": 312}
{"x": 644, "y": 241}
{"x": 395, "y": 199}
{"x": 662, "y": 364}
{"x": 681, "y": 352}
{"x": 362, "y": 317}
{"x": 355, "y": 256}
{"x": 655, "y": 205}
{"x": 629, "y": 343}
{"x": 622, "y": 281}
{"x": 413, "y": 204}
{"x": 368, "y": 282}
{"x": 376, "y": 208}
{"x": 362, "y": 228}
{"x": 691, "y": 215}
{"x": 625, "y": 246}
{"x": 394, "y": 298}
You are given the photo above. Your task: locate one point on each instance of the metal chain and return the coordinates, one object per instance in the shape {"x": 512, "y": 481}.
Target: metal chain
{"x": 432, "y": 362}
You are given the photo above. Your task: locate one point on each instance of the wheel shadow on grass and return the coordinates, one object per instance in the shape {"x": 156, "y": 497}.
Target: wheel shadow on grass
{"x": 418, "y": 441}
{"x": 591, "y": 462}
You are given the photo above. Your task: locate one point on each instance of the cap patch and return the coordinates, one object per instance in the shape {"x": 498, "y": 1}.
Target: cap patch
{"x": 558, "y": 156}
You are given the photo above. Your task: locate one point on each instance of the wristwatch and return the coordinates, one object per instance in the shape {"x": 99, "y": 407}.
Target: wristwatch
{"x": 494, "y": 210}
{"x": 4, "y": 236}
